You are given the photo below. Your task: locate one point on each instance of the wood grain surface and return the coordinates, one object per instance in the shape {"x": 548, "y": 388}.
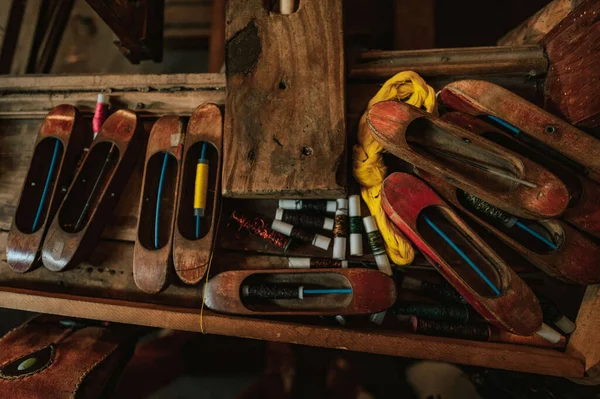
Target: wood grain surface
{"x": 94, "y": 192}
{"x": 404, "y": 198}
{"x": 65, "y": 128}
{"x": 284, "y": 118}
{"x": 152, "y": 263}
{"x": 192, "y": 256}
{"x": 585, "y": 340}
{"x": 480, "y": 98}
{"x": 409, "y": 133}
{"x": 452, "y": 62}
{"x": 103, "y": 287}
{"x": 484, "y": 354}
{"x": 573, "y": 49}
{"x": 372, "y": 292}
{"x": 533, "y": 29}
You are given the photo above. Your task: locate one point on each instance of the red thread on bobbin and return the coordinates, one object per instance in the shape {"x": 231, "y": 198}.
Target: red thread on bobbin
{"x": 101, "y": 112}
{"x": 257, "y": 226}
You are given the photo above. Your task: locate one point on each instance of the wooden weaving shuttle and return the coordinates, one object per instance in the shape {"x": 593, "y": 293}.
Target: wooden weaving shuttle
{"x": 156, "y": 217}
{"x": 369, "y": 291}
{"x": 495, "y": 291}
{"x": 94, "y": 192}
{"x": 458, "y": 155}
{"x": 480, "y": 98}
{"x": 58, "y": 147}
{"x": 582, "y": 211}
{"x": 192, "y": 254}
{"x": 575, "y": 260}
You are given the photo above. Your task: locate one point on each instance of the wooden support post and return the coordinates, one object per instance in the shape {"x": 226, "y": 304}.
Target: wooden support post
{"x": 216, "y": 48}
{"x": 284, "y": 122}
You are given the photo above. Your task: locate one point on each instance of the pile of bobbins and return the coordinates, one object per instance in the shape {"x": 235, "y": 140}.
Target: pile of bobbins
{"x": 309, "y": 220}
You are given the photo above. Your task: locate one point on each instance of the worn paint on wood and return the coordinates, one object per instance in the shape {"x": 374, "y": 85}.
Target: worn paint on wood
{"x": 192, "y": 256}
{"x": 480, "y": 98}
{"x": 411, "y": 133}
{"x": 372, "y": 292}
{"x": 94, "y": 192}
{"x": 63, "y": 127}
{"x": 405, "y": 198}
{"x": 151, "y": 264}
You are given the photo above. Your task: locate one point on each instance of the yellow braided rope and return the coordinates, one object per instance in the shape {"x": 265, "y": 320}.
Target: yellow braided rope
{"x": 369, "y": 169}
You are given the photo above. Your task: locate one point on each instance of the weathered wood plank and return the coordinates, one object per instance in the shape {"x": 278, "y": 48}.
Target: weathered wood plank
{"x": 533, "y": 29}
{"x": 573, "y": 49}
{"x": 485, "y": 354}
{"x": 106, "y": 274}
{"x": 585, "y": 340}
{"x": 131, "y": 82}
{"x": 284, "y": 118}
{"x": 520, "y": 60}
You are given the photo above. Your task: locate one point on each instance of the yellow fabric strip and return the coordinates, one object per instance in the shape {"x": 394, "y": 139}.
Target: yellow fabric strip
{"x": 368, "y": 166}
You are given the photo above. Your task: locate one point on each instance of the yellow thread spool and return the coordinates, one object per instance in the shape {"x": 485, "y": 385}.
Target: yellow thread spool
{"x": 201, "y": 187}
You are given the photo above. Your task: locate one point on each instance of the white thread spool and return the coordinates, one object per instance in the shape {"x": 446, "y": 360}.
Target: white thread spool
{"x": 356, "y": 241}
{"x": 305, "y": 263}
{"x": 548, "y": 333}
{"x": 383, "y": 263}
{"x": 286, "y": 229}
{"x": 339, "y": 240}
{"x": 378, "y": 318}
{"x": 330, "y": 206}
{"x": 327, "y": 222}
{"x": 565, "y": 325}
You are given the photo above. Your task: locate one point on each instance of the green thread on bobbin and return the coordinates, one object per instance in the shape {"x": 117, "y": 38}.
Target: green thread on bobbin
{"x": 356, "y": 225}
{"x": 453, "y": 330}
{"x": 443, "y": 291}
{"x": 376, "y": 242}
{"x": 450, "y": 313}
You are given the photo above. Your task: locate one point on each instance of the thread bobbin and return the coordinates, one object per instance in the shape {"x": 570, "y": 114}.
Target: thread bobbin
{"x": 304, "y": 219}
{"x": 340, "y": 229}
{"x": 289, "y": 230}
{"x": 319, "y": 206}
{"x": 323, "y": 263}
{"x": 356, "y": 226}
{"x": 376, "y": 244}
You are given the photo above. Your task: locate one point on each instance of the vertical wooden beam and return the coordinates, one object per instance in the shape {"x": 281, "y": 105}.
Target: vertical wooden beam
{"x": 284, "y": 118}
{"x": 216, "y": 49}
